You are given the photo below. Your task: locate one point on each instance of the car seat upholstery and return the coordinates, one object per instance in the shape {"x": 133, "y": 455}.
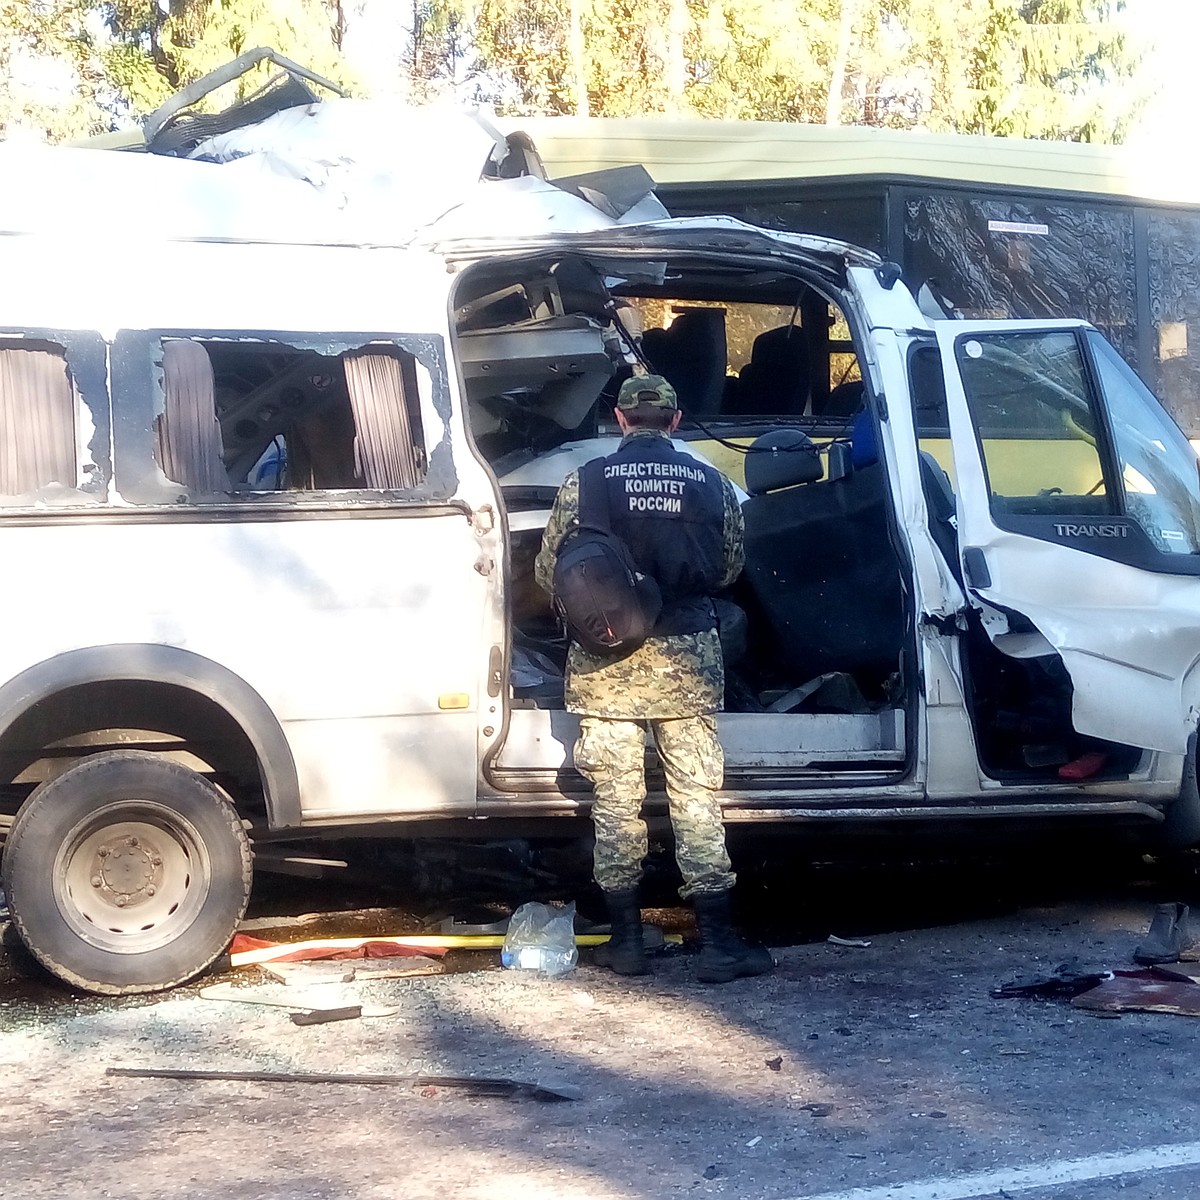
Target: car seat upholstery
{"x": 844, "y": 400}
{"x": 690, "y": 353}
{"x": 823, "y": 575}
{"x": 776, "y": 379}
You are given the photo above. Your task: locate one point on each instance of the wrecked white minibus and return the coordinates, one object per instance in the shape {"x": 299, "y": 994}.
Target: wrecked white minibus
{"x": 279, "y": 434}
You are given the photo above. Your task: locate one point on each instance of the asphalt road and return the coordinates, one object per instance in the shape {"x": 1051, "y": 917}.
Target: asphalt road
{"x": 879, "y": 1072}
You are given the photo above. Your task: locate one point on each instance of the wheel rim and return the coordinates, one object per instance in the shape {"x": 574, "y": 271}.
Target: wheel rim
{"x": 131, "y": 876}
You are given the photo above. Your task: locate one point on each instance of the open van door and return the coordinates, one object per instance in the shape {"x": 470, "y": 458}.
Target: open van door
{"x": 1079, "y": 521}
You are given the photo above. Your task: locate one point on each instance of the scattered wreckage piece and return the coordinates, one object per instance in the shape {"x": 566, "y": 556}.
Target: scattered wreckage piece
{"x": 1108, "y": 993}
{"x": 1065, "y": 982}
{"x": 326, "y": 1016}
{"x": 1142, "y": 991}
{"x": 477, "y": 1086}
{"x": 324, "y": 971}
{"x": 306, "y": 974}
{"x": 246, "y": 951}
{"x": 1188, "y": 972}
{"x": 298, "y": 1003}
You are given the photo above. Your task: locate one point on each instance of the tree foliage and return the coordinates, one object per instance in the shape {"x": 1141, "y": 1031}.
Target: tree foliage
{"x": 52, "y": 82}
{"x": 157, "y": 49}
{"x": 1032, "y": 68}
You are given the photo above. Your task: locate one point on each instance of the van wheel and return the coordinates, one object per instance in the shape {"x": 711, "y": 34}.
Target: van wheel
{"x": 128, "y": 873}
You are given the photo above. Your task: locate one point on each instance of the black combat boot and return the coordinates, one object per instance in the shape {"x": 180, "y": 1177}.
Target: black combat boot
{"x": 724, "y": 953}
{"x": 625, "y": 951}
{"x": 1167, "y": 938}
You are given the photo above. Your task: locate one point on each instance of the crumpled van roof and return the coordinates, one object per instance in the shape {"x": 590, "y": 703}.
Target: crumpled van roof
{"x": 354, "y": 173}
{"x": 342, "y": 172}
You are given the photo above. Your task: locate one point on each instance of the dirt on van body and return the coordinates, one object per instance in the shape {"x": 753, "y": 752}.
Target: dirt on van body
{"x": 850, "y": 1066}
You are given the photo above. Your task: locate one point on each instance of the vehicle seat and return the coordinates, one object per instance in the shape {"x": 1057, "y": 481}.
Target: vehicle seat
{"x": 690, "y": 353}
{"x": 776, "y": 379}
{"x": 824, "y": 576}
{"x": 844, "y": 400}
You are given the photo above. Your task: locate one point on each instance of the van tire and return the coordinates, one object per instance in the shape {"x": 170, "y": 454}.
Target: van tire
{"x": 128, "y": 873}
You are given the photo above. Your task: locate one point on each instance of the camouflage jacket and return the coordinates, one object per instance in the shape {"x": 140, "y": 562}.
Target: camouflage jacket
{"x": 678, "y": 676}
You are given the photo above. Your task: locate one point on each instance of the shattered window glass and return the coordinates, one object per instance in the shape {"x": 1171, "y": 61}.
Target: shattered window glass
{"x": 245, "y": 416}
{"x": 1159, "y": 470}
{"x": 995, "y": 258}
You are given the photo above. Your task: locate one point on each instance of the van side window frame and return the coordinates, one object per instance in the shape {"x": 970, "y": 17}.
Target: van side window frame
{"x": 138, "y": 402}
{"x": 85, "y": 356}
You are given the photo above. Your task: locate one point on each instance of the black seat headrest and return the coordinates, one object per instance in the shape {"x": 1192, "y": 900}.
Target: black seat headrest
{"x": 776, "y": 379}
{"x": 781, "y": 458}
{"x": 691, "y": 354}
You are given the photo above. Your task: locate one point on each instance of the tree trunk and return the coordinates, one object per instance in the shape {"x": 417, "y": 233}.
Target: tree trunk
{"x": 578, "y": 53}
{"x": 676, "y": 64}
{"x": 837, "y": 77}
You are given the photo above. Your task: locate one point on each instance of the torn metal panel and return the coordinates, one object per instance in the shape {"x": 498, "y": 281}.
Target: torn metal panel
{"x": 826, "y": 257}
{"x": 319, "y": 196}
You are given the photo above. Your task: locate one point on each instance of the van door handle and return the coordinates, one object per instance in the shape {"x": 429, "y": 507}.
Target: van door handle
{"x": 975, "y": 568}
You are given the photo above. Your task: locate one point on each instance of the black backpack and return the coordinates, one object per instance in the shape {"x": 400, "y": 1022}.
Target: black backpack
{"x": 607, "y": 604}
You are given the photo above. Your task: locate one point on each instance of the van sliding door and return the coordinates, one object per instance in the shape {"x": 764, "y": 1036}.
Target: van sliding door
{"x": 1079, "y": 511}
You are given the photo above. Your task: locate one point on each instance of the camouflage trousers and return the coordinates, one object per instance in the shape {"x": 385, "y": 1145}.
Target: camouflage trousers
{"x": 611, "y": 753}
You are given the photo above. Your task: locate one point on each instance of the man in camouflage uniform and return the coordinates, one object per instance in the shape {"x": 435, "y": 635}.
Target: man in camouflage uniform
{"x": 683, "y": 525}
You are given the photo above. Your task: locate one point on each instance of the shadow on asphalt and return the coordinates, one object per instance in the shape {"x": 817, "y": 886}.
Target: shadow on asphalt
{"x": 783, "y": 898}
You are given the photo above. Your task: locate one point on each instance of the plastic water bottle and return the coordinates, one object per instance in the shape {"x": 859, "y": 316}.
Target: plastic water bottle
{"x": 541, "y": 938}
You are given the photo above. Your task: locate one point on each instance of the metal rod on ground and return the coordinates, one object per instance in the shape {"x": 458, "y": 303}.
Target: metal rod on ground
{"x": 478, "y": 1086}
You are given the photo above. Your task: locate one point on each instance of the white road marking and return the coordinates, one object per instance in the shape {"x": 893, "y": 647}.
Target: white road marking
{"x": 1027, "y": 1179}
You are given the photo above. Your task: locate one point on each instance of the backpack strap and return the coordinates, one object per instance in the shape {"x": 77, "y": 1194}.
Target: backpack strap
{"x": 593, "y": 497}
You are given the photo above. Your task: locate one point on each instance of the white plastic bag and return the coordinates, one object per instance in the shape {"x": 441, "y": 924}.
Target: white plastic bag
{"x": 541, "y": 937}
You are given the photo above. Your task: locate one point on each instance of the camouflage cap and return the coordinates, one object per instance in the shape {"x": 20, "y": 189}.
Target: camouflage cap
{"x": 647, "y": 389}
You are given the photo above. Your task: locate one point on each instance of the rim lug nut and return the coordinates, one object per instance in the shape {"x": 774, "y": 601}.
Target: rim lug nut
{"x": 97, "y": 881}
{"x": 103, "y": 851}
{"x": 156, "y": 860}
{"x": 151, "y": 890}
{"x": 131, "y": 841}
{"x": 121, "y": 901}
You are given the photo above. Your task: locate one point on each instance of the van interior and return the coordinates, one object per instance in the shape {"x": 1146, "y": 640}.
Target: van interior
{"x": 817, "y": 632}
